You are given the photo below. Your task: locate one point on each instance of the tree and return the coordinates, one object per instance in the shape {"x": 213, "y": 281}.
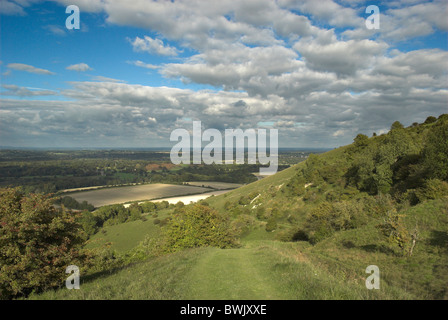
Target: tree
{"x": 396, "y": 125}
{"x": 361, "y": 140}
{"x": 89, "y": 222}
{"x": 430, "y": 119}
{"x": 435, "y": 152}
{"x": 37, "y": 243}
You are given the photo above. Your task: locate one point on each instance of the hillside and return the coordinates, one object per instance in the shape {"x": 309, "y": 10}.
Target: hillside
{"x": 307, "y": 232}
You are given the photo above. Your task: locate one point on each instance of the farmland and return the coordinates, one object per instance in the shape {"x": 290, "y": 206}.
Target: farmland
{"x": 109, "y": 196}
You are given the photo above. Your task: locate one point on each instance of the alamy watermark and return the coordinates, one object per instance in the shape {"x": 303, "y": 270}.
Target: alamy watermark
{"x": 212, "y": 153}
{"x": 373, "y": 281}
{"x": 72, "y": 281}
{"x": 73, "y": 20}
{"x": 373, "y": 21}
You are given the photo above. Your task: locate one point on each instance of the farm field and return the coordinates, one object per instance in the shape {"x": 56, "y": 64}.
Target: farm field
{"x": 116, "y": 195}
{"x": 192, "y": 198}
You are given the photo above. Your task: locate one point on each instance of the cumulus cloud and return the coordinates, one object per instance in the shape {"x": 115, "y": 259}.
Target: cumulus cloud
{"x": 404, "y": 20}
{"x": 152, "y": 46}
{"x": 80, "y": 67}
{"x": 341, "y": 57}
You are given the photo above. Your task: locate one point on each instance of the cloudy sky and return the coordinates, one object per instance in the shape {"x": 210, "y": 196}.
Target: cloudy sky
{"x": 136, "y": 70}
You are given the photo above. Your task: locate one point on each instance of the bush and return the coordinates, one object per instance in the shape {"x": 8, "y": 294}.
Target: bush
{"x": 243, "y": 223}
{"x": 327, "y": 218}
{"x": 37, "y": 243}
{"x": 271, "y": 225}
{"x": 196, "y": 226}
{"x": 433, "y": 189}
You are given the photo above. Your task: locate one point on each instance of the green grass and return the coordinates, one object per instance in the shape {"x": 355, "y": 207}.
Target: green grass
{"x": 125, "y": 236}
{"x": 260, "y": 270}
{"x": 269, "y": 182}
{"x": 163, "y": 278}
{"x": 424, "y": 275}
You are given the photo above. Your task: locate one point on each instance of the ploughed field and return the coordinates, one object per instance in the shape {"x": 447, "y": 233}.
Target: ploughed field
{"x": 107, "y": 196}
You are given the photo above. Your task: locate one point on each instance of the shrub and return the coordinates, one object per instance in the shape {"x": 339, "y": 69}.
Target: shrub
{"x": 37, "y": 243}
{"x": 196, "y": 226}
{"x": 395, "y": 230}
{"x": 271, "y": 225}
{"x": 243, "y": 223}
{"x": 327, "y": 218}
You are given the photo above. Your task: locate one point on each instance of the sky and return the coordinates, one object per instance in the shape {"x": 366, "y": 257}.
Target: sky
{"x": 136, "y": 70}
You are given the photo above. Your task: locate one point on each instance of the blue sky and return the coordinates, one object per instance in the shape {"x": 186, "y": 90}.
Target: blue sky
{"x": 137, "y": 70}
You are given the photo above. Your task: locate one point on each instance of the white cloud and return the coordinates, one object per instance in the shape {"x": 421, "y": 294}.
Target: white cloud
{"x": 284, "y": 62}
{"x": 106, "y": 79}
{"x": 153, "y": 46}
{"x": 342, "y": 57}
{"x": 80, "y": 67}
{"x": 57, "y": 30}
{"x": 141, "y": 64}
{"x": 10, "y": 8}
{"x": 14, "y": 90}
{"x": 28, "y": 68}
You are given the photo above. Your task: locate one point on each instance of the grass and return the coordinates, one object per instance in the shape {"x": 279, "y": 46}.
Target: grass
{"x": 424, "y": 275}
{"x": 125, "y": 236}
{"x": 163, "y": 278}
{"x": 269, "y": 182}
{"x": 260, "y": 270}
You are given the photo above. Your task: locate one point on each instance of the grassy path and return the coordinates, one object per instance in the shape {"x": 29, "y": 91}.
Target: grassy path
{"x": 232, "y": 274}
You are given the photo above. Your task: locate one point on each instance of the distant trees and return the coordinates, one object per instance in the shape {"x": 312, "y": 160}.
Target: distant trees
{"x": 72, "y": 203}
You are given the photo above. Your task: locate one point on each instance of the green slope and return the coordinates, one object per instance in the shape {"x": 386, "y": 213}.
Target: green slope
{"x": 260, "y": 270}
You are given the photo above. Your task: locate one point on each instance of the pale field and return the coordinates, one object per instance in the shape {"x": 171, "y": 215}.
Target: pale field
{"x": 102, "y": 197}
{"x": 192, "y": 198}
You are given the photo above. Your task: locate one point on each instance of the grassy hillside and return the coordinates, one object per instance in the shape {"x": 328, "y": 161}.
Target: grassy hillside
{"x": 307, "y": 232}
{"x": 261, "y": 270}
